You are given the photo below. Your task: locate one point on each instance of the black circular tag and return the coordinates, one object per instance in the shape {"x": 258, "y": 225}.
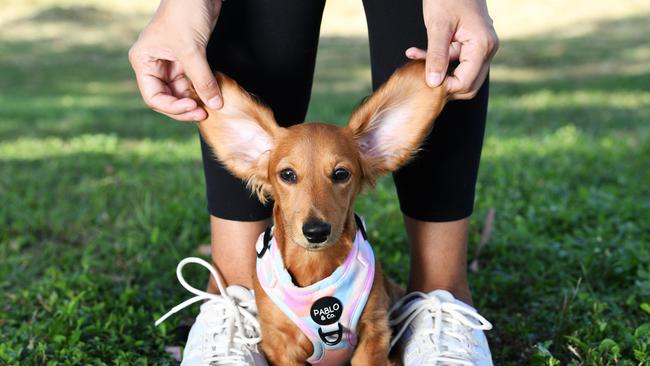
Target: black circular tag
{"x": 326, "y": 310}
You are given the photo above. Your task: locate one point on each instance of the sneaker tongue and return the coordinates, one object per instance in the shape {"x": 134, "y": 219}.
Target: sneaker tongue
{"x": 245, "y": 298}
{"x": 240, "y": 293}
{"x": 425, "y": 320}
{"x": 443, "y": 295}
{"x": 446, "y": 296}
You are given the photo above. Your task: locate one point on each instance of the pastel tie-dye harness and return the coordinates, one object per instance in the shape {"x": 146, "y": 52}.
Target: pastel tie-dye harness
{"x": 327, "y": 311}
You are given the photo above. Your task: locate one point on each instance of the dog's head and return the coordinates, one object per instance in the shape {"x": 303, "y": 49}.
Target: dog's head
{"x": 313, "y": 171}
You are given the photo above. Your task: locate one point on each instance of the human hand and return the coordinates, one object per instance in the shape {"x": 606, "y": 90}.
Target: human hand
{"x": 171, "y": 47}
{"x": 457, "y": 30}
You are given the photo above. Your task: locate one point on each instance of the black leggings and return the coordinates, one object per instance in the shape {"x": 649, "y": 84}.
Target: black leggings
{"x": 269, "y": 47}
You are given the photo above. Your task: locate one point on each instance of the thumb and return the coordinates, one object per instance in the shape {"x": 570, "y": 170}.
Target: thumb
{"x": 437, "y": 59}
{"x": 206, "y": 86}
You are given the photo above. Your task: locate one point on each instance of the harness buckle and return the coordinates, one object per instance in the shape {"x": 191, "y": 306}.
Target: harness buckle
{"x": 338, "y": 333}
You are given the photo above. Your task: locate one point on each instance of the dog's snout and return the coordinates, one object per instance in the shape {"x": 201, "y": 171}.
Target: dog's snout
{"x": 316, "y": 231}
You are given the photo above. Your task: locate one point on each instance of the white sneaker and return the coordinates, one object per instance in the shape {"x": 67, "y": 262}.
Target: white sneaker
{"x": 226, "y": 331}
{"x": 436, "y": 329}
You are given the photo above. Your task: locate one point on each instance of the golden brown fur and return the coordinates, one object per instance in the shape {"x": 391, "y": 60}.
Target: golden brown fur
{"x": 382, "y": 135}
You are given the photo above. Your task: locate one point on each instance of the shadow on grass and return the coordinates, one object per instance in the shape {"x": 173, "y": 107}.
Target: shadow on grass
{"x": 604, "y": 46}
{"x": 86, "y": 15}
{"x": 47, "y": 90}
{"x": 89, "y": 89}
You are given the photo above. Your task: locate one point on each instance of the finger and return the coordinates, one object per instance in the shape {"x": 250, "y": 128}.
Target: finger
{"x": 158, "y": 96}
{"x": 415, "y": 53}
{"x": 181, "y": 88}
{"x": 197, "y": 114}
{"x": 472, "y": 60}
{"x": 454, "y": 51}
{"x": 175, "y": 105}
{"x": 152, "y": 77}
{"x": 462, "y": 81}
{"x": 473, "y": 89}
{"x": 197, "y": 69}
{"x": 466, "y": 79}
{"x": 476, "y": 52}
{"x": 437, "y": 60}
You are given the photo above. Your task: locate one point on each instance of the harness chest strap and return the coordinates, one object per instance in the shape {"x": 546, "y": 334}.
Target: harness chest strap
{"x": 328, "y": 311}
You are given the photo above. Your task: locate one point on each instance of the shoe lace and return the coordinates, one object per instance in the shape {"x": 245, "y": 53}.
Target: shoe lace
{"x": 450, "y": 341}
{"x": 233, "y": 327}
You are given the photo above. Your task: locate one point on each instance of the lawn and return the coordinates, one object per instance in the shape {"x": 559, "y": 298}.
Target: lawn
{"x": 100, "y": 197}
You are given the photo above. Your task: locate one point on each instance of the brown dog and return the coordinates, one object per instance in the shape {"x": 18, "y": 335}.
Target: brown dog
{"x": 314, "y": 171}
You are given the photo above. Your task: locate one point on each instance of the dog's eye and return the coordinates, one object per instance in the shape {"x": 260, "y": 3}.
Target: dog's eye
{"x": 340, "y": 175}
{"x": 288, "y": 176}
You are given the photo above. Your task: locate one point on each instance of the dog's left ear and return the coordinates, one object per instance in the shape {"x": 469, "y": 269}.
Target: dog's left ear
{"x": 390, "y": 126}
{"x": 241, "y": 135}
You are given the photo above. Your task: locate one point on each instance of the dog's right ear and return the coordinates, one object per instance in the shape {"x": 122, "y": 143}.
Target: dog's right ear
{"x": 241, "y": 135}
{"x": 391, "y": 124}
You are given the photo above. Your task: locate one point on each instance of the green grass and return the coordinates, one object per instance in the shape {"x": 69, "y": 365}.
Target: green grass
{"x": 101, "y": 197}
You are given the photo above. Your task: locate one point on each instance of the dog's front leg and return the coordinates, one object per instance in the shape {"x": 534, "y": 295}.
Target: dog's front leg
{"x": 282, "y": 348}
{"x": 276, "y": 357}
{"x": 283, "y": 343}
{"x": 374, "y": 330}
{"x": 374, "y": 343}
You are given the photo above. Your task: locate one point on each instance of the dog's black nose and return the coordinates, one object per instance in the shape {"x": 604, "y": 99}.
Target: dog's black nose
{"x": 316, "y": 231}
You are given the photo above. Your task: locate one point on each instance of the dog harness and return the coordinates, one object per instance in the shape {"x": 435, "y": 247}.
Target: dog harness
{"x": 328, "y": 311}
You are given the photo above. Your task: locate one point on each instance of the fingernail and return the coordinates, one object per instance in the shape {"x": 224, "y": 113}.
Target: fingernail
{"x": 434, "y": 79}
{"x": 214, "y": 102}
